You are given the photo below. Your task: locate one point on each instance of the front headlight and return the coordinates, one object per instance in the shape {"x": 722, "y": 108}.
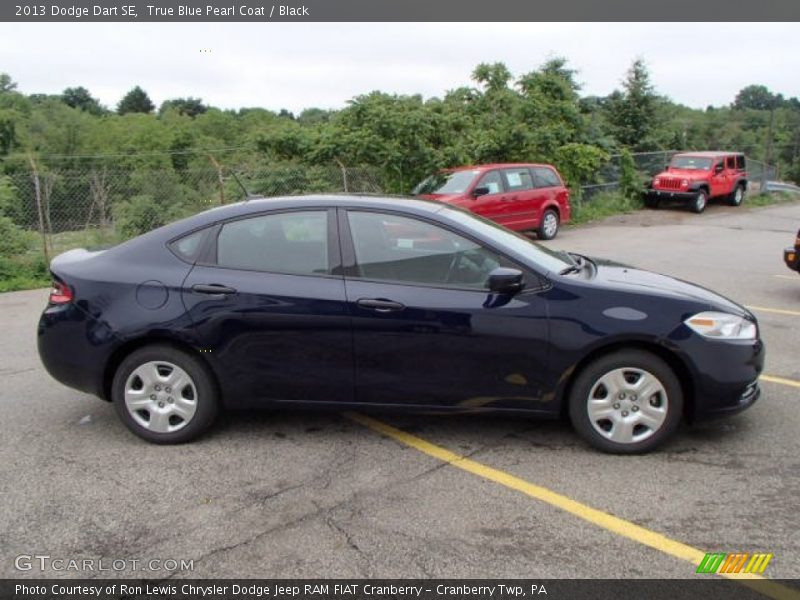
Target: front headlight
{"x": 722, "y": 326}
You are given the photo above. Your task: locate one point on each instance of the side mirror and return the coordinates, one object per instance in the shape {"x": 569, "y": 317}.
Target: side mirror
{"x": 503, "y": 280}
{"x": 480, "y": 191}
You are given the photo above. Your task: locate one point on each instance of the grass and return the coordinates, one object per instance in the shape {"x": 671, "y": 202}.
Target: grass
{"x": 29, "y": 270}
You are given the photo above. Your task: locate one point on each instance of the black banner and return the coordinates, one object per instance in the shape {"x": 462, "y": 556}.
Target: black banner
{"x": 707, "y": 587}
{"x": 398, "y": 10}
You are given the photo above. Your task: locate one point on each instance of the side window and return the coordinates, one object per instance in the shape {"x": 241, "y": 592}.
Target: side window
{"x": 544, "y": 177}
{"x": 518, "y": 179}
{"x": 740, "y": 162}
{"x": 730, "y": 162}
{"x": 401, "y": 249}
{"x": 189, "y": 246}
{"x": 294, "y": 242}
{"x": 492, "y": 181}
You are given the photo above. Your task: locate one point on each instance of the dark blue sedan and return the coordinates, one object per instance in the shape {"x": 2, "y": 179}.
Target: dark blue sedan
{"x": 365, "y": 302}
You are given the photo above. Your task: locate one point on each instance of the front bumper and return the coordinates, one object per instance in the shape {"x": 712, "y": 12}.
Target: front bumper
{"x": 669, "y": 195}
{"x": 725, "y": 377}
{"x": 791, "y": 256}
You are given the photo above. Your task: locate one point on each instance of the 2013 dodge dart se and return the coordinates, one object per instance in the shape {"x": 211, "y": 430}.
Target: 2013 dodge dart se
{"x": 366, "y": 302}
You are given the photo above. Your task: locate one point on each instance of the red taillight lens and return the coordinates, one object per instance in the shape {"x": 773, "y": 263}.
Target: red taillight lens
{"x": 60, "y": 293}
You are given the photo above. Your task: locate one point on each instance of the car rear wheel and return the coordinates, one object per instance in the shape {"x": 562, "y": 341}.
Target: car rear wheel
{"x": 164, "y": 395}
{"x": 737, "y": 196}
{"x": 700, "y": 201}
{"x": 548, "y": 228}
{"x": 626, "y": 402}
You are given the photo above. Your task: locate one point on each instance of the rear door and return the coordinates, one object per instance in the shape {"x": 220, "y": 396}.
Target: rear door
{"x": 523, "y": 200}
{"x": 269, "y": 311}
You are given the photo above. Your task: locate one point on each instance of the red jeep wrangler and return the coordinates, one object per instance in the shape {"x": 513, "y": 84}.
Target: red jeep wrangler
{"x": 697, "y": 177}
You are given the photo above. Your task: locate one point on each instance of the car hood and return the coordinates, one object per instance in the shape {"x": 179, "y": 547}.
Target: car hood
{"x": 624, "y": 278}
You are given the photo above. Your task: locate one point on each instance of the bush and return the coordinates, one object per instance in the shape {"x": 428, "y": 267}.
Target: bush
{"x": 603, "y": 205}
{"x": 13, "y": 240}
{"x": 141, "y": 214}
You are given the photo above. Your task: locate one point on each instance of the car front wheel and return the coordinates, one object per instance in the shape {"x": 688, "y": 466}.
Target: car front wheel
{"x": 626, "y": 402}
{"x": 699, "y": 203}
{"x": 164, "y": 395}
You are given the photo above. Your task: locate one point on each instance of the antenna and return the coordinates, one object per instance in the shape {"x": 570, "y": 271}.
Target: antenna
{"x": 247, "y": 194}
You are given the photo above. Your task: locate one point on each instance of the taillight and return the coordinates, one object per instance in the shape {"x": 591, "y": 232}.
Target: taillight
{"x": 60, "y": 293}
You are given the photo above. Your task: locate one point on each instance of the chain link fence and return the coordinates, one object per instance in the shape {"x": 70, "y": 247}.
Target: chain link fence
{"x": 67, "y": 208}
{"x": 45, "y": 211}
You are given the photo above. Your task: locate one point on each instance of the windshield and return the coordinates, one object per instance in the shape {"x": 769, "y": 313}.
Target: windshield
{"x": 453, "y": 182}
{"x": 545, "y": 258}
{"x": 691, "y": 162}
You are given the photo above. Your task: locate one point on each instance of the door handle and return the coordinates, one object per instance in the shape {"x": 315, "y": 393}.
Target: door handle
{"x": 212, "y": 288}
{"x": 380, "y": 305}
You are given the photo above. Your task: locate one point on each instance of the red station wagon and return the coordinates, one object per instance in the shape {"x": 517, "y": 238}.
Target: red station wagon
{"x": 521, "y": 197}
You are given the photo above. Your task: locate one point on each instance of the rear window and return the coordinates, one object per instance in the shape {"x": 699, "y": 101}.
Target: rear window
{"x": 293, "y": 242}
{"x": 740, "y": 162}
{"x": 545, "y": 177}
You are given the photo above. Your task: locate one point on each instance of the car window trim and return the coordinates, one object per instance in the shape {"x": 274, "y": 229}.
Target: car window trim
{"x": 349, "y": 254}
{"x": 210, "y": 259}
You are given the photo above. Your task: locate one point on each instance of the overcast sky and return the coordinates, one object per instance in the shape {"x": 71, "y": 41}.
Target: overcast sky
{"x": 295, "y": 66}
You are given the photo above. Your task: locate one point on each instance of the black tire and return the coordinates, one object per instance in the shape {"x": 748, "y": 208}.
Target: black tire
{"x": 699, "y": 202}
{"x": 201, "y": 391}
{"x": 737, "y": 196}
{"x": 545, "y": 231}
{"x": 588, "y": 382}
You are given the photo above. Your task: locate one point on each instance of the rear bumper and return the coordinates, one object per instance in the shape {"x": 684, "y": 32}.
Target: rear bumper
{"x": 791, "y": 256}
{"x": 74, "y": 347}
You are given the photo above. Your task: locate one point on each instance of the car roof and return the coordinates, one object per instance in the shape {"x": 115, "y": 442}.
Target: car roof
{"x": 262, "y": 203}
{"x": 709, "y": 153}
{"x": 490, "y": 166}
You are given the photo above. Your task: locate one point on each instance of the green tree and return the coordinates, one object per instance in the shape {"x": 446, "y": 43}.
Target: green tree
{"x": 191, "y": 107}
{"x": 80, "y": 98}
{"x": 6, "y": 83}
{"x": 756, "y": 97}
{"x": 632, "y": 112}
{"x": 135, "y": 101}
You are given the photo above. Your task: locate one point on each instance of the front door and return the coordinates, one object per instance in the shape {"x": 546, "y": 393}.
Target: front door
{"x": 266, "y": 306}
{"x": 493, "y": 203}
{"x": 426, "y": 331}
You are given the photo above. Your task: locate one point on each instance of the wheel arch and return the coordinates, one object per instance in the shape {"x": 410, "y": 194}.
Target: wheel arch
{"x": 673, "y": 360}
{"x": 132, "y": 345}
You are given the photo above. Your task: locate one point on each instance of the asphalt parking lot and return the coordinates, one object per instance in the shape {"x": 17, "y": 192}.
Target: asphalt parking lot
{"x": 287, "y": 494}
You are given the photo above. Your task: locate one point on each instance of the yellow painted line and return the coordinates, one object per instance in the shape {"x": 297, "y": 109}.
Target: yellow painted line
{"x": 780, "y": 380}
{"x": 777, "y": 311}
{"x": 602, "y": 519}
